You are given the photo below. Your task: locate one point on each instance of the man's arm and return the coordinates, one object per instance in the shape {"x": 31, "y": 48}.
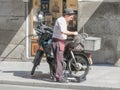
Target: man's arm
{"x": 70, "y": 33}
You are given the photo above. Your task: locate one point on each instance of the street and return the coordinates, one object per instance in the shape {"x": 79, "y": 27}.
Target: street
{"x": 17, "y": 87}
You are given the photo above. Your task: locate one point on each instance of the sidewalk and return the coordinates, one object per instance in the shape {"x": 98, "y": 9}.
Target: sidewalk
{"x": 100, "y": 77}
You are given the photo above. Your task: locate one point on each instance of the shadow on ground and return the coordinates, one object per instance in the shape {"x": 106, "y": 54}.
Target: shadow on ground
{"x": 38, "y": 75}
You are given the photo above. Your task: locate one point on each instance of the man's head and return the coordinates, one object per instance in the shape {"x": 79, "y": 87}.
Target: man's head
{"x": 68, "y": 14}
{"x": 68, "y": 11}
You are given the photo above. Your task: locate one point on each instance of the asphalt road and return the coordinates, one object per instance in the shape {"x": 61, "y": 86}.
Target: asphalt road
{"x": 17, "y": 87}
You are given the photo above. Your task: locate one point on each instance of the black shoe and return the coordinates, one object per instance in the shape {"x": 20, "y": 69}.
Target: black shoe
{"x": 81, "y": 79}
{"x": 62, "y": 80}
{"x": 53, "y": 78}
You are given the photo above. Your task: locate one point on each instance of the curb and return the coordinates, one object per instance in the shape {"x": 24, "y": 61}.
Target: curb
{"x": 57, "y": 85}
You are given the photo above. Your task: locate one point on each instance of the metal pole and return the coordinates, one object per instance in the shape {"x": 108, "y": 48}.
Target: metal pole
{"x": 26, "y": 30}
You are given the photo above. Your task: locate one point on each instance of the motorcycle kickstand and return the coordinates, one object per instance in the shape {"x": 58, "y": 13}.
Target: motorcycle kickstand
{"x": 65, "y": 74}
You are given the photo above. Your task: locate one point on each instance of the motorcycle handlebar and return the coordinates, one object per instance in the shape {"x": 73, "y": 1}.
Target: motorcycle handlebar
{"x": 43, "y": 30}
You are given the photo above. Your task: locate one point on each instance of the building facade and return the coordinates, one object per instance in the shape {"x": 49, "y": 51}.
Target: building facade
{"x": 12, "y": 18}
{"x": 99, "y": 18}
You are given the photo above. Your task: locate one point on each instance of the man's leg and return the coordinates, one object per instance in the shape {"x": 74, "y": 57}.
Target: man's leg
{"x": 58, "y": 55}
{"x": 59, "y": 64}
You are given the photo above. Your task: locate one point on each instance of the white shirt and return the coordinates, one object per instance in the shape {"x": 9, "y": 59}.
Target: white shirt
{"x": 60, "y": 26}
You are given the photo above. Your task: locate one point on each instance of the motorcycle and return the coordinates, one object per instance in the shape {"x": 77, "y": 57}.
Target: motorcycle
{"x": 77, "y": 61}
{"x": 44, "y": 34}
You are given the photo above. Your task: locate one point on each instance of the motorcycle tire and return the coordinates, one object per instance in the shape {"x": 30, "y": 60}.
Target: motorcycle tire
{"x": 80, "y": 69}
{"x": 37, "y": 60}
{"x": 33, "y": 69}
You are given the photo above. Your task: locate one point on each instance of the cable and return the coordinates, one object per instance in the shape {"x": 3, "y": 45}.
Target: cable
{"x": 16, "y": 46}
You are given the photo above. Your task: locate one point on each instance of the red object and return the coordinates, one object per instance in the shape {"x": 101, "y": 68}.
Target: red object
{"x": 61, "y": 43}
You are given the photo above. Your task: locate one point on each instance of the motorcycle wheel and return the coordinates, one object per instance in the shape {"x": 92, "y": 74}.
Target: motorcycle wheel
{"x": 37, "y": 60}
{"x": 79, "y": 69}
{"x": 33, "y": 69}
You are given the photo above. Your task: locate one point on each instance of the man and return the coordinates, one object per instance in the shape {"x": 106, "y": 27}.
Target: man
{"x": 60, "y": 33}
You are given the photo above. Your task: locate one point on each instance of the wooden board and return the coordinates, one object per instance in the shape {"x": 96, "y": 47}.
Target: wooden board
{"x": 56, "y": 8}
{"x": 34, "y": 48}
{"x": 72, "y": 4}
{"x": 48, "y": 20}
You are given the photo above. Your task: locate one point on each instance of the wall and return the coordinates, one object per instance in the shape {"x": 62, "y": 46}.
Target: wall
{"x": 12, "y": 30}
{"x": 102, "y": 19}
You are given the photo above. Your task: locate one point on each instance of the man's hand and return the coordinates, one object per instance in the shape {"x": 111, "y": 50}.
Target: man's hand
{"x": 75, "y": 33}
